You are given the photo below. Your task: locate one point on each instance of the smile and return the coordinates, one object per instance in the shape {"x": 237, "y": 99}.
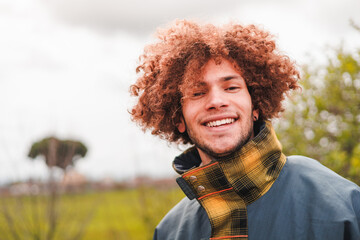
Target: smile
{"x": 221, "y": 122}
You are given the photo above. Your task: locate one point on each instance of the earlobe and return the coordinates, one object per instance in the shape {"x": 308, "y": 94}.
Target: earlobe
{"x": 181, "y": 126}
{"x": 255, "y": 115}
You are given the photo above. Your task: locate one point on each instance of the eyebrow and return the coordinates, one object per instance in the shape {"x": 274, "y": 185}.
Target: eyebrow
{"x": 228, "y": 78}
{"x": 224, "y": 79}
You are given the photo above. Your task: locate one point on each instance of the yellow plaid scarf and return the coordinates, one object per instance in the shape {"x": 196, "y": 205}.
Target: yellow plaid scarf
{"x": 225, "y": 187}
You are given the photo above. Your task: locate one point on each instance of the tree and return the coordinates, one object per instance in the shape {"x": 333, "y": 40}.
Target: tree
{"x": 60, "y": 153}
{"x": 323, "y": 120}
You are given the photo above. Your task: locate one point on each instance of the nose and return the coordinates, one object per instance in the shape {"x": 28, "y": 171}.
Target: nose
{"x": 216, "y": 99}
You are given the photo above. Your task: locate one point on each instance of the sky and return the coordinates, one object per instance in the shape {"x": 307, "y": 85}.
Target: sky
{"x": 66, "y": 67}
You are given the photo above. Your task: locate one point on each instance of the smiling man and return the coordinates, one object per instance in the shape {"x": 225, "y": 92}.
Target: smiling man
{"x": 217, "y": 88}
{"x": 218, "y": 114}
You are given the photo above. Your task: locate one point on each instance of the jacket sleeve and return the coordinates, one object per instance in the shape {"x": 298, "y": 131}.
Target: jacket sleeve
{"x": 155, "y": 235}
{"x": 355, "y": 231}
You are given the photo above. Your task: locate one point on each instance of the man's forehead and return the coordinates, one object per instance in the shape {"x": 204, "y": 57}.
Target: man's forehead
{"x": 198, "y": 69}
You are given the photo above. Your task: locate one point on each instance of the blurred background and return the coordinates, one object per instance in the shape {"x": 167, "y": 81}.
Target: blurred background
{"x": 65, "y": 71}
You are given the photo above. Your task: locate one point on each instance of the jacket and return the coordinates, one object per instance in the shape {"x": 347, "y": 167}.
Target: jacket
{"x": 295, "y": 198}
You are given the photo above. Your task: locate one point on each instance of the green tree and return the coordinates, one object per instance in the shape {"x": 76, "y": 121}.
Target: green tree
{"x": 57, "y": 153}
{"x": 323, "y": 120}
{"x": 60, "y": 153}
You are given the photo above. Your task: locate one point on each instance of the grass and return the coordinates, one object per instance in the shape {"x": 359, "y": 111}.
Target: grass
{"x": 123, "y": 214}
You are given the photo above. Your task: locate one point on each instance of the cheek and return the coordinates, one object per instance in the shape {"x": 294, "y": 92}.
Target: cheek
{"x": 247, "y": 102}
{"x": 188, "y": 111}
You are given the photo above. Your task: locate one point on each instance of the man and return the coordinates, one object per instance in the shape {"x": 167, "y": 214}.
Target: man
{"x": 217, "y": 88}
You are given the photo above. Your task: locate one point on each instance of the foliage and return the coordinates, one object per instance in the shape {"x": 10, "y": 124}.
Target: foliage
{"x": 323, "y": 121}
{"x": 26, "y": 217}
{"x": 60, "y": 153}
{"x": 131, "y": 214}
{"x": 125, "y": 214}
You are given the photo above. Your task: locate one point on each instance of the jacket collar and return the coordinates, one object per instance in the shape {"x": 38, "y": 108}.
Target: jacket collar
{"x": 225, "y": 187}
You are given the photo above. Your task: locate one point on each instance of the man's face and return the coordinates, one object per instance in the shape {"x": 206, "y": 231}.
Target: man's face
{"x": 217, "y": 113}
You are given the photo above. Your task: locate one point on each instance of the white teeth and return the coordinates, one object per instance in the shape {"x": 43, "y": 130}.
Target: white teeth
{"x": 220, "y": 122}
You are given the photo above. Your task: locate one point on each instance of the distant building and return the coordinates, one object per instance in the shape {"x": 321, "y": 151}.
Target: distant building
{"x": 24, "y": 188}
{"x": 73, "y": 180}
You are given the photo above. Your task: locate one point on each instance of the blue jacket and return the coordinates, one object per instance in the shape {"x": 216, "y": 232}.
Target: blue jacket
{"x": 307, "y": 201}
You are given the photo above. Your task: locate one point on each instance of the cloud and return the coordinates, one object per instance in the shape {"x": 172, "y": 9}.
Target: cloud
{"x": 135, "y": 16}
{"x": 73, "y": 81}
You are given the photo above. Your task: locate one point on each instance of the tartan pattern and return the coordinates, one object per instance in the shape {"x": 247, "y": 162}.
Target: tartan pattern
{"x": 225, "y": 187}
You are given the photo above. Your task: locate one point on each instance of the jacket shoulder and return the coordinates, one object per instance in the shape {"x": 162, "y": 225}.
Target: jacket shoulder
{"x": 307, "y": 201}
{"x": 304, "y": 168}
{"x": 187, "y": 220}
{"x": 322, "y": 185}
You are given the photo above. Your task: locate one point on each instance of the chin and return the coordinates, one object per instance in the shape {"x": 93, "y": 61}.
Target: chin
{"x": 223, "y": 151}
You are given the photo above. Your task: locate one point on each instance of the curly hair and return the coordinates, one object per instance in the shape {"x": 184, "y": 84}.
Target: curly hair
{"x": 174, "y": 63}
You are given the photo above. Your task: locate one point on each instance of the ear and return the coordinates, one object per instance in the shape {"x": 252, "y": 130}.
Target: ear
{"x": 255, "y": 114}
{"x": 181, "y": 126}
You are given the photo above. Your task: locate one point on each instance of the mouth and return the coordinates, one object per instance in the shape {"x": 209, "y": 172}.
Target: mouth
{"x": 220, "y": 122}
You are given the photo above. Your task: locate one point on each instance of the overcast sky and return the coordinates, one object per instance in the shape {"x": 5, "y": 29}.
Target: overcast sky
{"x": 66, "y": 67}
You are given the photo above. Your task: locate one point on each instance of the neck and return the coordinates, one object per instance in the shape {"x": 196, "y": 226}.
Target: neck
{"x": 205, "y": 158}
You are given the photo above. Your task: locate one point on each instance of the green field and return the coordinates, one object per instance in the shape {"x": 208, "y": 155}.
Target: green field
{"x": 123, "y": 214}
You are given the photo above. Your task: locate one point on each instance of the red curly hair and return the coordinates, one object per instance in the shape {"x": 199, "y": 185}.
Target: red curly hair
{"x": 174, "y": 64}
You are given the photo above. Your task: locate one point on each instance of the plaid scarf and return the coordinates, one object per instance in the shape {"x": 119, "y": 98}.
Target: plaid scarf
{"x": 225, "y": 187}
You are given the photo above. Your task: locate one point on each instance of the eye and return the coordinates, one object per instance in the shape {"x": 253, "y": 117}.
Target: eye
{"x": 232, "y": 88}
{"x": 198, "y": 94}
